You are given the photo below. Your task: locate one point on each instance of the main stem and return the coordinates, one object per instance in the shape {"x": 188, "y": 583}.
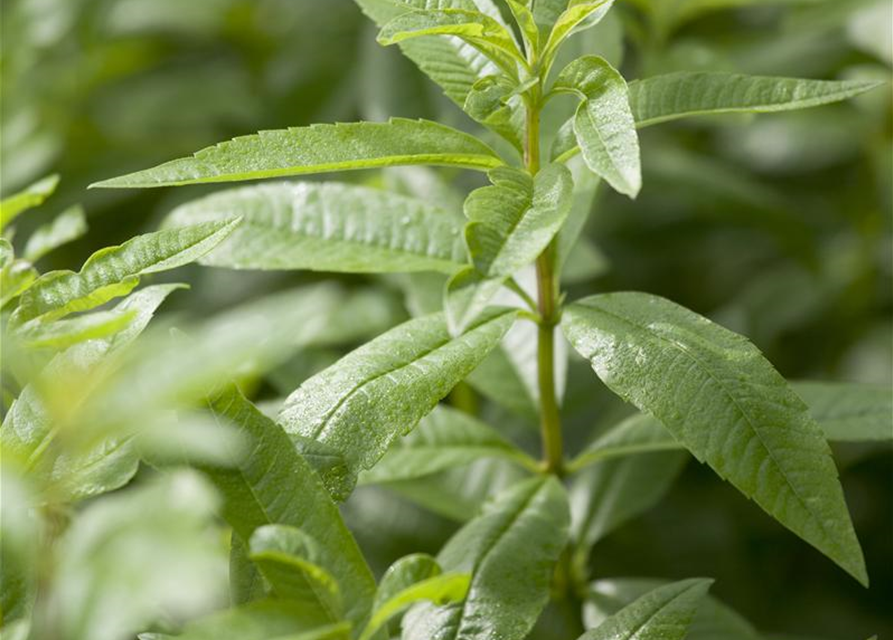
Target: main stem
{"x": 550, "y": 420}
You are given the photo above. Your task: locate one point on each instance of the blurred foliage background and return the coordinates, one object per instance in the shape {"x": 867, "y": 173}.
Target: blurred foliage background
{"x": 778, "y": 227}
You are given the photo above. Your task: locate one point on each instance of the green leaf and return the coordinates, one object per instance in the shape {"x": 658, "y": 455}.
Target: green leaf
{"x": 639, "y": 433}
{"x": 32, "y": 196}
{"x": 526, "y": 22}
{"x": 494, "y": 102}
{"x": 15, "y": 275}
{"x": 68, "y": 226}
{"x": 246, "y": 584}
{"x": 413, "y": 579}
{"x": 115, "y": 271}
{"x": 718, "y": 395}
{"x": 497, "y": 378}
{"x": 613, "y": 492}
{"x": 663, "y": 614}
{"x": 512, "y": 222}
{"x": 265, "y": 620}
{"x": 65, "y": 333}
{"x": 328, "y": 227}
{"x": 316, "y": 149}
{"x": 510, "y": 550}
{"x": 849, "y": 412}
{"x": 275, "y": 485}
{"x": 452, "y": 63}
{"x": 679, "y": 95}
{"x": 603, "y": 125}
{"x": 579, "y": 15}
{"x": 378, "y": 392}
{"x": 445, "y": 439}
{"x": 289, "y": 559}
{"x": 713, "y": 621}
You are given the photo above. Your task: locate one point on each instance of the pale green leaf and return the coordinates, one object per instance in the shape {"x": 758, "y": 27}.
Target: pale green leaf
{"x": 275, "y": 485}
{"x": 265, "y": 620}
{"x": 289, "y": 559}
{"x": 69, "y": 225}
{"x": 377, "y": 393}
{"x": 510, "y": 550}
{"x": 526, "y": 22}
{"x": 498, "y": 379}
{"x": 115, "y": 271}
{"x": 30, "y": 197}
{"x": 679, "y": 95}
{"x": 328, "y": 227}
{"x": 15, "y": 275}
{"x": 665, "y": 613}
{"x": 718, "y": 395}
{"x": 316, "y": 149}
{"x": 452, "y": 63}
{"x": 849, "y": 412}
{"x": 713, "y": 621}
{"x": 639, "y": 433}
{"x": 62, "y": 334}
{"x": 494, "y": 102}
{"x": 579, "y": 15}
{"x": 444, "y": 439}
{"x": 404, "y": 573}
{"x": 603, "y": 125}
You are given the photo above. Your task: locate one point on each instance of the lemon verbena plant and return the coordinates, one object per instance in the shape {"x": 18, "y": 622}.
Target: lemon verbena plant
{"x": 90, "y": 401}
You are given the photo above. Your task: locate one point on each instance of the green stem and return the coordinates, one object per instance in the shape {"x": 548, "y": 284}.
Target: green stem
{"x": 550, "y": 420}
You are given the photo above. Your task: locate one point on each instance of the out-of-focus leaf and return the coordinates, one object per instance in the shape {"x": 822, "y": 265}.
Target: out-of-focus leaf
{"x": 274, "y": 485}
{"x": 30, "y": 197}
{"x": 849, "y": 412}
{"x": 317, "y": 149}
{"x": 713, "y": 621}
{"x": 666, "y": 613}
{"x": 20, "y": 531}
{"x": 69, "y": 225}
{"x": 604, "y": 125}
{"x": 289, "y": 559}
{"x": 444, "y": 439}
{"x": 640, "y": 433}
{"x": 134, "y": 558}
{"x": 579, "y": 15}
{"x": 497, "y": 379}
{"x": 328, "y": 227}
{"x": 510, "y": 550}
{"x": 719, "y": 396}
{"x": 115, "y": 271}
{"x": 380, "y": 391}
{"x": 15, "y": 275}
{"x": 62, "y": 334}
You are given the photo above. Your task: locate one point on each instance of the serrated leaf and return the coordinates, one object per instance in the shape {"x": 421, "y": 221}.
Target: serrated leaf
{"x": 579, "y": 15}
{"x": 265, "y": 620}
{"x": 444, "y": 439}
{"x": 679, "y": 95}
{"x": 30, "y": 197}
{"x": 413, "y": 579}
{"x": 510, "y": 550}
{"x": 603, "y": 125}
{"x": 713, "y": 621}
{"x": 274, "y": 485}
{"x": 452, "y": 63}
{"x": 289, "y": 559}
{"x": 718, "y": 395}
{"x": 494, "y": 102}
{"x": 328, "y": 227}
{"x": 317, "y": 149}
{"x": 663, "y": 614}
{"x": 849, "y": 412}
{"x": 115, "y": 271}
{"x": 380, "y": 391}
{"x": 68, "y": 226}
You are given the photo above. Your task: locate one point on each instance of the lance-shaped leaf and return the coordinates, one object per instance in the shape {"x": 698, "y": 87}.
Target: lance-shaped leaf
{"x": 713, "y": 621}
{"x": 115, "y": 271}
{"x": 678, "y": 95}
{"x": 526, "y": 21}
{"x": 410, "y": 580}
{"x": 719, "y": 396}
{"x": 849, "y": 412}
{"x": 579, "y": 15}
{"x": 65, "y": 333}
{"x": 275, "y": 485}
{"x": 639, "y": 433}
{"x": 445, "y": 439}
{"x": 603, "y": 125}
{"x": 512, "y": 222}
{"x": 449, "y": 61}
{"x": 69, "y": 225}
{"x": 510, "y": 550}
{"x": 289, "y": 559}
{"x": 263, "y": 620}
{"x": 480, "y": 30}
{"x": 494, "y": 101}
{"x": 663, "y": 614}
{"x": 15, "y": 275}
{"x": 328, "y": 227}
{"x": 378, "y": 392}
{"x": 30, "y": 197}
{"x": 319, "y": 148}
